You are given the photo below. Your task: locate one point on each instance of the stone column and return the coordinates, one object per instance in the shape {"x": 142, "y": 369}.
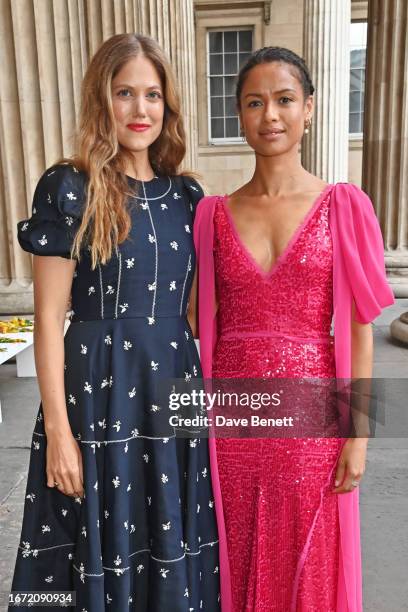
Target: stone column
{"x": 46, "y": 46}
{"x": 326, "y": 26}
{"x": 385, "y": 153}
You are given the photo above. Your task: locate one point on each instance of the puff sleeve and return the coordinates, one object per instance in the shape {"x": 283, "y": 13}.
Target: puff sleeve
{"x": 56, "y": 212}
{"x": 361, "y": 251}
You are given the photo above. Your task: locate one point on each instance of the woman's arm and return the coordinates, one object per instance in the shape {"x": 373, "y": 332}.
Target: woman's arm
{"x": 52, "y": 288}
{"x": 351, "y": 464}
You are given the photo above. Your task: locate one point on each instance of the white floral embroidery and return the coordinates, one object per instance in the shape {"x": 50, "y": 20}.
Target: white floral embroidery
{"x": 130, "y": 263}
{"x": 118, "y": 560}
{"x": 146, "y": 458}
{"x": 126, "y": 447}
{"x": 49, "y": 579}
{"x": 31, "y": 497}
{"x": 154, "y": 365}
{"x": 204, "y": 473}
{"x": 186, "y": 335}
{"x": 187, "y": 376}
{"x": 110, "y": 290}
{"x": 187, "y": 228}
{"x": 108, "y": 339}
{"x": 24, "y": 226}
{"x": 43, "y": 241}
{"x": 166, "y": 526}
{"x": 151, "y": 320}
{"x": 211, "y": 504}
{"x": 91, "y": 290}
{"x": 127, "y": 345}
{"x": 102, "y": 424}
{"x": 83, "y": 531}
{"x": 164, "y": 572}
{"x": 84, "y": 349}
{"x": 134, "y": 432}
{"x": 151, "y": 238}
{"x": 117, "y": 425}
{"x": 216, "y": 570}
{"x": 116, "y": 481}
{"x": 106, "y": 513}
{"x": 88, "y": 387}
{"x": 45, "y": 528}
{"x": 96, "y": 486}
{"x": 71, "y": 196}
{"x": 139, "y": 568}
{"x": 144, "y": 205}
{"x": 108, "y": 598}
{"x": 106, "y": 382}
{"x": 186, "y": 593}
{"x": 149, "y": 501}
{"x": 71, "y": 399}
{"x": 195, "y": 370}
{"x": 174, "y": 245}
{"x": 165, "y": 440}
{"x": 49, "y": 199}
{"x": 193, "y": 443}
{"x": 36, "y": 445}
{"x": 198, "y": 508}
{"x": 129, "y": 487}
{"x": 132, "y": 528}
{"x": 132, "y": 392}
{"x": 92, "y": 426}
{"x": 151, "y": 286}
{"x": 174, "y": 344}
{"x": 172, "y": 285}
{"x": 163, "y": 206}
{"x": 164, "y": 478}
{"x": 64, "y": 512}
{"x": 176, "y": 196}
{"x": 123, "y": 308}
{"x": 69, "y": 220}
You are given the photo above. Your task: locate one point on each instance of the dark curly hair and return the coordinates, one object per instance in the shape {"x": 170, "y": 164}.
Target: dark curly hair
{"x": 275, "y": 54}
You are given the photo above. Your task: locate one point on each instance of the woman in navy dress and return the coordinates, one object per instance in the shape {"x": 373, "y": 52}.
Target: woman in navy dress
{"x": 117, "y": 508}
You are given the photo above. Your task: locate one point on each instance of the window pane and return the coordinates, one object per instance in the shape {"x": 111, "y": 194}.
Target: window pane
{"x": 230, "y": 63}
{"x": 232, "y": 129}
{"x": 216, "y": 64}
{"x": 243, "y": 58}
{"x": 356, "y": 77}
{"x": 355, "y": 102}
{"x": 215, "y": 42}
{"x": 355, "y": 124}
{"x": 217, "y": 107}
{"x": 229, "y": 84}
{"x": 357, "y": 58}
{"x": 245, "y": 40}
{"x": 230, "y": 41}
{"x": 230, "y": 110}
{"x": 217, "y": 128}
{"x": 216, "y": 86}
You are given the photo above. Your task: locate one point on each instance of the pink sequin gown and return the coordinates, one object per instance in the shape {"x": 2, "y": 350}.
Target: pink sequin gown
{"x": 280, "y": 513}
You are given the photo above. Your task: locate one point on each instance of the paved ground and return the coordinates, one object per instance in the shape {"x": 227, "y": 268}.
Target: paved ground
{"x": 384, "y": 491}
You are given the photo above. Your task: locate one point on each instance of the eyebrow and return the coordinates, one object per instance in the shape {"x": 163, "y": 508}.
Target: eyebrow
{"x": 132, "y": 86}
{"x": 259, "y": 95}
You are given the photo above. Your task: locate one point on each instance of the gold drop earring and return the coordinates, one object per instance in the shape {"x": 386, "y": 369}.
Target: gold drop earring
{"x": 307, "y": 126}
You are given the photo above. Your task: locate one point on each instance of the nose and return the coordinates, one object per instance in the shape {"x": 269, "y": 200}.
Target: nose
{"x": 139, "y": 106}
{"x": 271, "y": 111}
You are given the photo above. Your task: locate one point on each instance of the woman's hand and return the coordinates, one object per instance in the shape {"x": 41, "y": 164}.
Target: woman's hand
{"x": 351, "y": 464}
{"x": 64, "y": 463}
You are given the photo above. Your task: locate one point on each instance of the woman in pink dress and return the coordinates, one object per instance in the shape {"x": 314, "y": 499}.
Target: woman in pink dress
{"x": 277, "y": 260}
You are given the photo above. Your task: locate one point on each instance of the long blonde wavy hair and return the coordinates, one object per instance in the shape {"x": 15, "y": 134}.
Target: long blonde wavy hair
{"x": 106, "y": 220}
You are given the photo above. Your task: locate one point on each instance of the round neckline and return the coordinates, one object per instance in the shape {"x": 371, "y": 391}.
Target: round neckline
{"x": 156, "y": 177}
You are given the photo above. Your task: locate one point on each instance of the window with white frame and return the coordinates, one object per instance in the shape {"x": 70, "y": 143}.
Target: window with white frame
{"x": 358, "y": 46}
{"x": 227, "y": 50}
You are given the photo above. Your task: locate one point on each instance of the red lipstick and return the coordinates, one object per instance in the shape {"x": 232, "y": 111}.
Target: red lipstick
{"x": 138, "y": 127}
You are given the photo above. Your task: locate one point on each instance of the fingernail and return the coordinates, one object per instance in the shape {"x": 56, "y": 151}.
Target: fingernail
{"x": 336, "y": 483}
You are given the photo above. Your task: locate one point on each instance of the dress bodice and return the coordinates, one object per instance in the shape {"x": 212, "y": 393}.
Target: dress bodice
{"x": 294, "y": 298}
{"x": 149, "y": 274}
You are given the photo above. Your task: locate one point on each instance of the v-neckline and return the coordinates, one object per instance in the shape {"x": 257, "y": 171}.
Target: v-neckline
{"x": 293, "y": 239}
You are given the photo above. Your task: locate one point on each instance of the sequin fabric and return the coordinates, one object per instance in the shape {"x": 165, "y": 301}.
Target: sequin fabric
{"x": 280, "y": 513}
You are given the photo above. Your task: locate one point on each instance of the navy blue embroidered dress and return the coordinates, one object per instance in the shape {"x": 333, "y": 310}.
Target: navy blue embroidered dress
{"x": 144, "y": 537}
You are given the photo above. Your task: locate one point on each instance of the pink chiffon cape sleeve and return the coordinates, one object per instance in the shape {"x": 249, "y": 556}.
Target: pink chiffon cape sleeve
{"x": 359, "y": 276}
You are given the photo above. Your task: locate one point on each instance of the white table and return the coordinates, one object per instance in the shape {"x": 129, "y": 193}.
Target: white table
{"x": 22, "y": 351}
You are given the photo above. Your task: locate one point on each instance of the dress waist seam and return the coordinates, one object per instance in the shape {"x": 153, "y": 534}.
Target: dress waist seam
{"x": 324, "y": 339}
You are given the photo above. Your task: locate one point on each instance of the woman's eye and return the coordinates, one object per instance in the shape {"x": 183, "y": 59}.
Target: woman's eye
{"x": 124, "y": 93}
{"x": 285, "y": 99}
{"x": 254, "y": 103}
{"x": 154, "y": 94}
